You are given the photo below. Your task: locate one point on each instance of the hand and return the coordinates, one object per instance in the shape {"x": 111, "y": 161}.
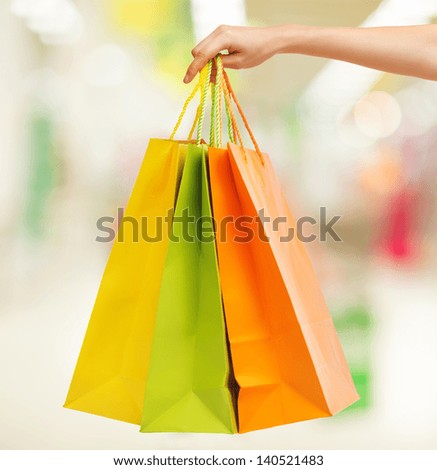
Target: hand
{"x": 246, "y": 46}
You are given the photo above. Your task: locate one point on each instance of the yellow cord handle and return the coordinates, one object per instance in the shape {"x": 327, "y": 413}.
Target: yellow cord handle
{"x": 193, "y": 127}
{"x": 184, "y": 109}
{"x": 205, "y": 77}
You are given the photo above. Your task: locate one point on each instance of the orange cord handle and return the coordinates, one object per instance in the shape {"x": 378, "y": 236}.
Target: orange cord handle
{"x": 227, "y": 84}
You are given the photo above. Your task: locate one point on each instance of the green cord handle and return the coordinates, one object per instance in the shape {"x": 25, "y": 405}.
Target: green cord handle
{"x": 212, "y": 133}
{"x": 218, "y": 91}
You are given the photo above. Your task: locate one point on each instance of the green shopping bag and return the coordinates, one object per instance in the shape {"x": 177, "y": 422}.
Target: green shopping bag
{"x": 187, "y": 382}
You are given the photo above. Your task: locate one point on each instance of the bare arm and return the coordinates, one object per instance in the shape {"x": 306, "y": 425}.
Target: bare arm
{"x": 405, "y": 50}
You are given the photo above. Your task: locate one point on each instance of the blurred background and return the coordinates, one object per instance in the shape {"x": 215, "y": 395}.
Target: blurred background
{"x": 85, "y": 84}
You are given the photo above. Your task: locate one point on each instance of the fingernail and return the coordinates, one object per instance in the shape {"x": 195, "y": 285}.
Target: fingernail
{"x": 186, "y": 78}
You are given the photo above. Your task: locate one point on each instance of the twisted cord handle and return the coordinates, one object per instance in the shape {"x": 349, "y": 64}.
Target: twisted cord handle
{"x": 221, "y": 88}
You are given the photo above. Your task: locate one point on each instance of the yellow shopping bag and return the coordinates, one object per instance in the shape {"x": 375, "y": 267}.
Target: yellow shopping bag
{"x": 110, "y": 375}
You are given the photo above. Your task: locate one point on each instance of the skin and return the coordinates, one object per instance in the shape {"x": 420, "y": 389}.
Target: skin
{"x": 404, "y": 50}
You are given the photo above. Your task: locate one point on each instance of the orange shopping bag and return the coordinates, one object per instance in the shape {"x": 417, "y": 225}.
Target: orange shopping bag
{"x": 287, "y": 359}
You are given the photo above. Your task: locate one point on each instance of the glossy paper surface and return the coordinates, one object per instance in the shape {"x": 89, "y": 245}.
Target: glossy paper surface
{"x": 110, "y": 375}
{"x": 285, "y": 352}
{"x": 187, "y": 381}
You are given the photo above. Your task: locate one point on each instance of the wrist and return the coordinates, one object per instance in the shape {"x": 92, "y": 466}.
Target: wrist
{"x": 292, "y": 39}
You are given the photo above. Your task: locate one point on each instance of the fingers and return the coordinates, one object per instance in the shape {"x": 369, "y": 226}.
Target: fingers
{"x": 232, "y": 61}
{"x": 196, "y": 66}
{"x": 205, "y": 51}
{"x": 205, "y": 40}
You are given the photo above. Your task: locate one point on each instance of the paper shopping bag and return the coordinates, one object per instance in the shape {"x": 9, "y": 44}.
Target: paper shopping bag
{"x": 110, "y": 375}
{"x": 286, "y": 356}
{"x": 187, "y": 382}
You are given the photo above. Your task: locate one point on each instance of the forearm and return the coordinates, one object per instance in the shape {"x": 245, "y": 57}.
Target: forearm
{"x": 408, "y": 50}
{"x": 405, "y": 50}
